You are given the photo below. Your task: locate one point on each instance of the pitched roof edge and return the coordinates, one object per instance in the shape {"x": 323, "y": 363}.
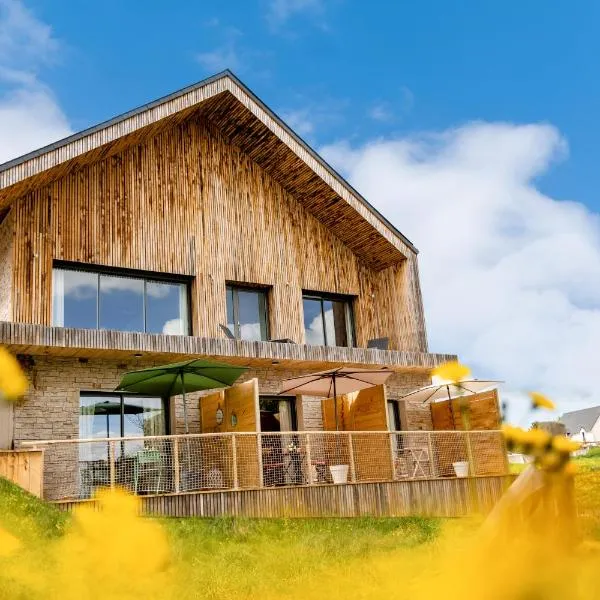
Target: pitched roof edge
{"x": 226, "y": 74}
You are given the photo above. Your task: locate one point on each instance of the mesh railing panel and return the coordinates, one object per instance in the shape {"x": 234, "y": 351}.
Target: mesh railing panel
{"x": 74, "y": 469}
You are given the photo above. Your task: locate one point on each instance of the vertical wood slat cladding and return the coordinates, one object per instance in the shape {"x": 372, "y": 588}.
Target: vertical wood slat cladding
{"x": 188, "y": 202}
{"x": 6, "y": 265}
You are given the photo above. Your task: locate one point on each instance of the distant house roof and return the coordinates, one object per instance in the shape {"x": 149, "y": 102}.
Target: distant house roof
{"x": 247, "y": 123}
{"x": 580, "y": 419}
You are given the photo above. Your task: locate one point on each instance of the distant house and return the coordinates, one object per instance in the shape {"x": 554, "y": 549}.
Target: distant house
{"x": 583, "y": 425}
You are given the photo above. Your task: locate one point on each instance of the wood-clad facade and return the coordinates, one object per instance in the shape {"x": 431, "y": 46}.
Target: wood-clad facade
{"x": 190, "y": 203}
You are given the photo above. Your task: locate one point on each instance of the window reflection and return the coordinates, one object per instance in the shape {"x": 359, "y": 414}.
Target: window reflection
{"x": 327, "y": 321}
{"x": 166, "y": 308}
{"x": 124, "y": 303}
{"x": 121, "y": 303}
{"x": 247, "y": 313}
{"x": 116, "y": 415}
{"x": 313, "y": 322}
{"x": 75, "y": 299}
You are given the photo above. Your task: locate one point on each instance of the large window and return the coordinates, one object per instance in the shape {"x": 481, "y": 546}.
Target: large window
{"x": 247, "y": 315}
{"x": 102, "y": 300}
{"x": 107, "y": 415}
{"x": 328, "y": 320}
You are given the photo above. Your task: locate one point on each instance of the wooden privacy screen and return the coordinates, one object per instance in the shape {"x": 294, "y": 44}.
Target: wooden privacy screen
{"x": 240, "y": 402}
{"x": 487, "y": 450}
{"x": 364, "y": 411}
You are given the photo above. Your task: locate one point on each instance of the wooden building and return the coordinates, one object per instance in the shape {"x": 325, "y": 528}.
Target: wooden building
{"x": 198, "y": 225}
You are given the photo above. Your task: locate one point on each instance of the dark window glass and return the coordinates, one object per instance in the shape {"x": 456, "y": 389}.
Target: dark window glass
{"x": 277, "y": 413}
{"x": 121, "y": 303}
{"x": 328, "y": 321}
{"x": 125, "y": 303}
{"x": 75, "y": 299}
{"x": 247, "y": 313}
{"x": 166, "y": 308}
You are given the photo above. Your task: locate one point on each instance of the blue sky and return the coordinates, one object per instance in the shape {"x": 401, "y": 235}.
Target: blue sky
{"x": 471, "y": 125}
{"x": 431, "y": 64}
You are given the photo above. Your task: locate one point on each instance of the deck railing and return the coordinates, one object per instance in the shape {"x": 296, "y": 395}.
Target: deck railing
{"x": 73, "y": 469}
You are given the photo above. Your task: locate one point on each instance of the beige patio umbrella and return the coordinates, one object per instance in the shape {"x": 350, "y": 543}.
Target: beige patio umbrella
{"x": 342, "y": 380}
{"x": 449, "y": 390}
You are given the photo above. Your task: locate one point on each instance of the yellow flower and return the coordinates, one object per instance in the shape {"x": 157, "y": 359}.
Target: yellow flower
{"x": 536, "y": 438}
{"x": 452, "y": 371}
{"x": 13, "y": 383}
{"x": 9, "y": 544}
{"x": 563, "y": 444}
{"x": 540, "y": 401}
{"x": 550, "y": 461}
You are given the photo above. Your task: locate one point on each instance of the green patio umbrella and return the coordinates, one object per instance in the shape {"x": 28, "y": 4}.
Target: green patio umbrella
{"x": 178, "y": 378}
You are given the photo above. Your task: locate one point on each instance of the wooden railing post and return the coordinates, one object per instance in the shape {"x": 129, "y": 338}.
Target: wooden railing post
{"x": 352, "y": 465}
{"x": 111, "y": 464}
{"x": 431, "y": 458}
{"x": 470, "y": 454}
{"x": 176, "y": 472}
{"x": 308, "y": 460}
{"x": 235, "y": 465}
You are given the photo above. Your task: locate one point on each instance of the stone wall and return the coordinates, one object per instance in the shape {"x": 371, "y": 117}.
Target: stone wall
{"x": 51, "y": 409}
{"x": 6, "y": 268}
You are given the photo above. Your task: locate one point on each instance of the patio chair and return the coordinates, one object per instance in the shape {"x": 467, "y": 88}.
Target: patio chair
{"x": 147, "y": 462}
{"x": 379, "y": 343}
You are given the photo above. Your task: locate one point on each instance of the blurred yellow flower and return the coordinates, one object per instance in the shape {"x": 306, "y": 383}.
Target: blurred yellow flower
{"x": 9, "y": 544}
{"x": 540, "y": 401}
{"x": 563, "y": 444}
{"x": 13, "y": 383}
{"x": 452, "y": 371}
{"x": 535, "y": 440}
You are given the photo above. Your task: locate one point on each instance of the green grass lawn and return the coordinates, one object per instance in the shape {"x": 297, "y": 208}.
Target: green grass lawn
{"x": 245, "y": 558}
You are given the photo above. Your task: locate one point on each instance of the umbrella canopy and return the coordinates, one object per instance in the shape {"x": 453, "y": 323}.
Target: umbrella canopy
{"x": 178, "y": 378}
{"x": 114, "y": 408}
{"x": 449, "y": 390}
{"x": 342, "y": 380}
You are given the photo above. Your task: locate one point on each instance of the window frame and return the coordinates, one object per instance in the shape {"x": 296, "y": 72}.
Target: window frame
{"x": 347, "y": 300}
{"x": 263, "y": 316}
{"x": 142, "y": 275}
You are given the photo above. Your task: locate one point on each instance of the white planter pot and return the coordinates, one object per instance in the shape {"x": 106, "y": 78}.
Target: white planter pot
{"x": 461, "y": 468}
{"x": 339, "y": 473}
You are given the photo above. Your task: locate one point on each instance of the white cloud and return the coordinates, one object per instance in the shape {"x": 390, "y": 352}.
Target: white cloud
{"x": 223, "y": 57}
{"x": 280, "y": 12}
{"x": 299, "y": 120}
{"x": 511, "y": 277}
{"x": 30, "y": 116}
{"x": 310, "y": 116}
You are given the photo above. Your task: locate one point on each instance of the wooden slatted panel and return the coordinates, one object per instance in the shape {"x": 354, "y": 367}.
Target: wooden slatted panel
{"x": 26, "y": 338}
{"x": 242, "y": 400}
{"x": 248, "y": 124}
{"x": 489, "y": 452}
{"x": 188, "y": 202}
{"x": 431, "y": 497}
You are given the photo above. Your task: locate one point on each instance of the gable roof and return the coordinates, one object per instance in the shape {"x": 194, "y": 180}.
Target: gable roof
{"x": 246, "y": 122}
{"x": 580, "y": 419}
